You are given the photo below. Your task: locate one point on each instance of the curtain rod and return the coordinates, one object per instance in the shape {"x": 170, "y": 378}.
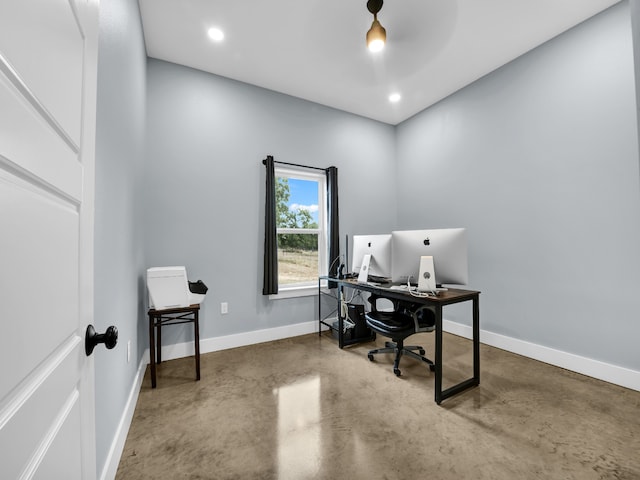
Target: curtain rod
{"x": 264, "y": 162}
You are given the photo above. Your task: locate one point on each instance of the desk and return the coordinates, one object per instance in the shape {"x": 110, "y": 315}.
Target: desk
{"x": 171, "y": 316}
{"x": 449, "y": 297}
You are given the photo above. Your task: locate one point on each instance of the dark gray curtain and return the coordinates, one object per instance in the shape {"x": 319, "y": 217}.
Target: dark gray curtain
{"x": 333, "y": 223}
{"x": 270, "y": 280}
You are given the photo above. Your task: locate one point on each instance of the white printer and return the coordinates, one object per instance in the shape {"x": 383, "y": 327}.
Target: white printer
{"x": 169, "y": 288}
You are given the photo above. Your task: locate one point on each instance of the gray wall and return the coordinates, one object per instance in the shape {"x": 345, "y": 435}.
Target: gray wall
{"x": 204, "y": 185}
{"x": 539, "y": 160}
{"x": 118, "y": 229}
{"x": 635, "y": 26}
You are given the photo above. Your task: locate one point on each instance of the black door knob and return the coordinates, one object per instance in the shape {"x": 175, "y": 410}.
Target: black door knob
{"x": 91, "y": 338}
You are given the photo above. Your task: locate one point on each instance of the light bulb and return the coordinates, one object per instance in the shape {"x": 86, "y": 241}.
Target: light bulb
{"x": 376, "y": 45}
{"x": 376, "y": 36}
{"x": 215, "y": 34}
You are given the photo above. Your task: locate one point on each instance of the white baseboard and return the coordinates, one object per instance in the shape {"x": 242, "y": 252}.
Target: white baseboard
{"x": 593, "y": 368}
{"x": 624, "y": 377}
{"x": 171, "y": 352}
{"x": 117, "y": 446}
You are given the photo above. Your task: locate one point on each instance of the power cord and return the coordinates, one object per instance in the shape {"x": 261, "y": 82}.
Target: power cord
{"x": 347, "y": 323}
{"x": 416, "y": 293}
{"x": 344, "y": 309}
{"x": 339, "y": 257}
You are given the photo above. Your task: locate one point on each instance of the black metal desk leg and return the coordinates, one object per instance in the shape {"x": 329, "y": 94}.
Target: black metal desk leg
{"x": 438, "y": 360}
{"x": 472, "y": 381}
{"x": 196, "y": 330}
{"x": 476, "y": 339}
{"x": 319, "y": 307}
{"x": 340, "y": 319}
{"x": 159, "y": 339}
{"x": 152, "y": 350}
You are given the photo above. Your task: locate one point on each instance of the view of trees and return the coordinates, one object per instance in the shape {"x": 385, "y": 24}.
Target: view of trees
{"x": 287, "y": 218}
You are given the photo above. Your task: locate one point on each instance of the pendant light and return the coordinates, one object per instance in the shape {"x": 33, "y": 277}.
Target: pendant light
{"x": 377, "y": 35}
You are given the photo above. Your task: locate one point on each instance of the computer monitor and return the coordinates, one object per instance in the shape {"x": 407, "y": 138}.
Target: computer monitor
{"x": 447, "y": 246}
{"x": 379, "y": 247}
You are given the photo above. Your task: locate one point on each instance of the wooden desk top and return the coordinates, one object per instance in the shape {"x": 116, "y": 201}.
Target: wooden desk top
{"x": 452, "y": 295}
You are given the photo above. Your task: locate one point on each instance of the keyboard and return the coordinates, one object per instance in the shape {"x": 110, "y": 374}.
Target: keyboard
{"x": 370, "y": 278}
{"x": 377, "y": 279}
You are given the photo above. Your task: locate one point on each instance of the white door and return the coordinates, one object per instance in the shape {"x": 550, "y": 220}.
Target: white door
{"x": 48, "y": 61}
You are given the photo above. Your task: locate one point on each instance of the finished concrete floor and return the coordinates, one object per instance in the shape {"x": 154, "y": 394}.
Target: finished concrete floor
{"x": 301, "y": 408}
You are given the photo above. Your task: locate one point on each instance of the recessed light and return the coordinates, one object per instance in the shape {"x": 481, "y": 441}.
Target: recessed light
{"x": 394, "y": 97}
{"x": 215, "y": 34}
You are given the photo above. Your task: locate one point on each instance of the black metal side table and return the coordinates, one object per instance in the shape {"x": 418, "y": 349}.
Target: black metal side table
{"x": 163, "y": 318}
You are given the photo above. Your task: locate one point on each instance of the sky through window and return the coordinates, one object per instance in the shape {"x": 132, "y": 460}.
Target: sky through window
{"x": 304, "y": 196}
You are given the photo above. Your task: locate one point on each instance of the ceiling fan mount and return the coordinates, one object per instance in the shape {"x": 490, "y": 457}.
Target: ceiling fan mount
{"x": 374, "y": 6}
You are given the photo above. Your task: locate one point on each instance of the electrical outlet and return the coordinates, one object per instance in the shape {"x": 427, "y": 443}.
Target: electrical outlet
{"x": 128, "y": 351}
{"x": 224, "y": 308}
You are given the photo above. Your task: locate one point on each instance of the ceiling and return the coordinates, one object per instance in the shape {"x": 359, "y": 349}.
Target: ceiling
{"x": 316, "y": 50}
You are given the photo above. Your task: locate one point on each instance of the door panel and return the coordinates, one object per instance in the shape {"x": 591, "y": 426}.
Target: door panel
{"x": 25, "y": 134}
{"x": 44, "y": 286}
{"x": 42, "y": 41}
{"x": 48, "y": 65}
{"x": 59, "y": 459}
{"x": 41, "y": 407}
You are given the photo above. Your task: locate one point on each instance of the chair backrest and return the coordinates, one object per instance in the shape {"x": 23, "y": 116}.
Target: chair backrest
{"x": 391, "y": 304}
{"x": 424, "y": 316}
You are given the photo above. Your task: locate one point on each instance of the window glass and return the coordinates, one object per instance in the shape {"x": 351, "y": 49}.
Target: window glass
{"x": 297, "y": 263}
{"x": 301, "y": 229}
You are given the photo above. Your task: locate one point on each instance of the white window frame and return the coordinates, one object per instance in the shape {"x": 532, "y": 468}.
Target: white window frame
{"x": 310, "y": 288}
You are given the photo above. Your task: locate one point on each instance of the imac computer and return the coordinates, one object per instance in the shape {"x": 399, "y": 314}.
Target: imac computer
{"x": 447, "y": 246}
{"x": 379, "y": 247}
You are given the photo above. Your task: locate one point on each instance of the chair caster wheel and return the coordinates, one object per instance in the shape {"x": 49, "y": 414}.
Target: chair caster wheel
{"x": 432, "y": 368}
{"x": 397, "y": 372}
{"x": 370, "y": 357}
{"x": 422, "y": 352}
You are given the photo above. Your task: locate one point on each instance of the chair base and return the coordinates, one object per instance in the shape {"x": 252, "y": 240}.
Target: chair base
{"x": 400, "y": 349}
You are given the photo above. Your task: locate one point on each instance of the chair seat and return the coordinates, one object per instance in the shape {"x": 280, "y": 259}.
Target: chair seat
{"x": 400, "y": 322}
{"x": 390, "y": 324}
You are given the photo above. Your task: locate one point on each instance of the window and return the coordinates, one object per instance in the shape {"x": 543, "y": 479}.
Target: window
{"x": 301, "y": 227}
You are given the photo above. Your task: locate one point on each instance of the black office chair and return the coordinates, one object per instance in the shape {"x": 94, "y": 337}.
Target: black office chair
{"x": 405, "y": 320}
